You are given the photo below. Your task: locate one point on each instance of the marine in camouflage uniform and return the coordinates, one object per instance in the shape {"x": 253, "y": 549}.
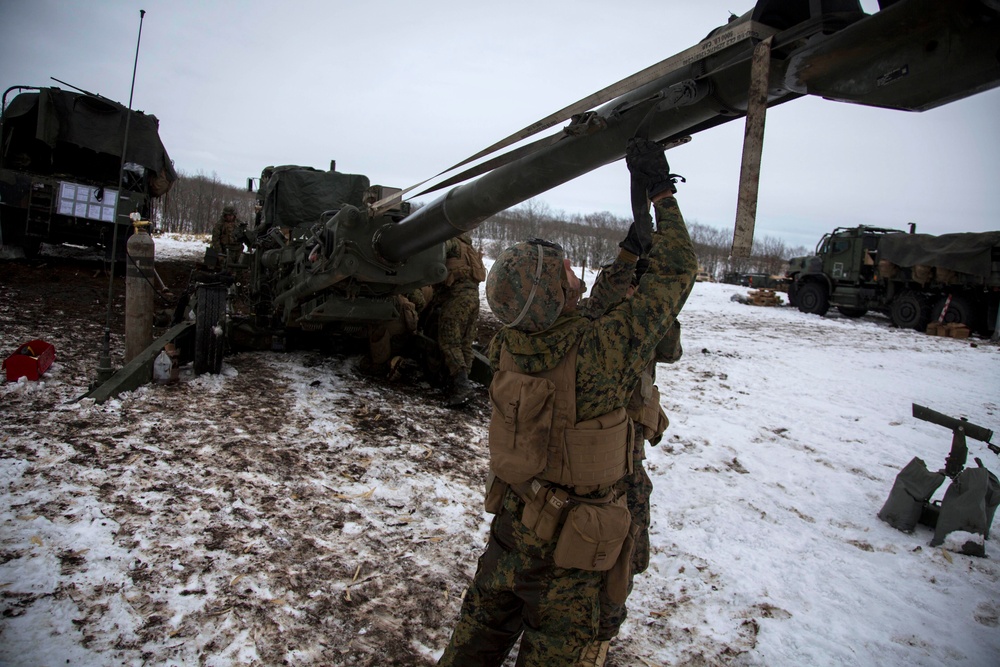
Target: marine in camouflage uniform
{"x": 636, "y": 485}
{"x": 225, "y": 234}
{"x": 459, "y": 315}
{"x": 518, "y": 590}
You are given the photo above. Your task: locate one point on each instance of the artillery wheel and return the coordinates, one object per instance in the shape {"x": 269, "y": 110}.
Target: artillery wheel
{"x": 848, "y": 311}
{"x": 209, "y": 337}
{"x": 960, "y": 310}
{"x": 812, "y": 298}
{"x": 910, "y": 310}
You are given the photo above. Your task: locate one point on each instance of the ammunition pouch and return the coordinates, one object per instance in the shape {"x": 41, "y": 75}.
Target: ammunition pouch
{"x": 523, "y": 408}
{"x": 496, "y": 489}
{"x": 618, "y": 578}
{"x": 544, "y": 509}
{"x": 593, "y": 536}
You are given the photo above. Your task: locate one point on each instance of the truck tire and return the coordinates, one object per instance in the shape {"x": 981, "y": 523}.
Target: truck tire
{"x": 209, "y": 344}
{"x": 910, "y": 310}
{"x": 848, "y": 311}
{"x": 960, "y": 310}
{"x": 812, "y": 298}
{"x": 793, "y": 294}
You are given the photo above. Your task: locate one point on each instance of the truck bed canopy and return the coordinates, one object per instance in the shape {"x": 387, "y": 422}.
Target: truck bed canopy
{"x": 56, "y": 122}
{"x": 968, "y": 252}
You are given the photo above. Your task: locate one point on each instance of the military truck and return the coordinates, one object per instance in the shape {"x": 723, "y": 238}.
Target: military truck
{"x": 62, "y": 176}
{"x": 913, "y": 278}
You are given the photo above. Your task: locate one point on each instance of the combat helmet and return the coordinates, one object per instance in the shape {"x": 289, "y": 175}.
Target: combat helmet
{"x": 525, "y": 285}
{"x": 229, "y": 209}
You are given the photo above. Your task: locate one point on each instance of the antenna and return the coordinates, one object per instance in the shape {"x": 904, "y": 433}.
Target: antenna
{"x": 104, "y": 369}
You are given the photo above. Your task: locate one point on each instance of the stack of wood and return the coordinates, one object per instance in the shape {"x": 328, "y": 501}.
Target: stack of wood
{"x": 951, "y": 329}
{"x": 763, "y": 297}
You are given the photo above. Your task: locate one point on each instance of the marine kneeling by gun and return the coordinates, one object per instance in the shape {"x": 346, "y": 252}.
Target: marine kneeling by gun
{"x": 560, "y": 437}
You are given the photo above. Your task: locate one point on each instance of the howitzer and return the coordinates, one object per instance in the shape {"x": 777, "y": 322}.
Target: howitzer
{"x": 911, "y": 55}
{"x": 338, "y": 262}
{"x": 960, "y": 428}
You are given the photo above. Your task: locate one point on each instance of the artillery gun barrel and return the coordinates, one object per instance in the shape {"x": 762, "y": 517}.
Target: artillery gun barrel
{"x": 714, "y": 99}
{"x": 910, "y": 55}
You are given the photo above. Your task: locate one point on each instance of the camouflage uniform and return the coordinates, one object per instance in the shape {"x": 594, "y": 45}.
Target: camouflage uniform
{"x": 459, "y": 314}
{"x": 610, "y": 288}
{"x": 224, "y": 234}
{"x": 517, "y": 588}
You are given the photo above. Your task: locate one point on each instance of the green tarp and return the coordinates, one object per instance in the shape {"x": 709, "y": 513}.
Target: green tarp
{"x": 86, "y": 121}
{"x": 968, "y": 252}
{"x": 296, "y": 196}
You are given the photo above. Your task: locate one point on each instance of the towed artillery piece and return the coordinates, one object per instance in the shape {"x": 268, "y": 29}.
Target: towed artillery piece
{"x": 337, "y": 266}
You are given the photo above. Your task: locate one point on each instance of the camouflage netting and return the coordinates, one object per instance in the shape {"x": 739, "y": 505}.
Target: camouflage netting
{"x": 44, "y": 130}
{"x": 306, "y": 193}
{"x": 968, "y": 252}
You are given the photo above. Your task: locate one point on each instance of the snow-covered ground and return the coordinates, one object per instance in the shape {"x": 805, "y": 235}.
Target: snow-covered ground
{"x": 292, "y": 511}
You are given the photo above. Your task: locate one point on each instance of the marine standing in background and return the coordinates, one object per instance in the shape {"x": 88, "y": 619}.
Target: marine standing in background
{"x": 459, "y": 298}
{"x": 225, "y": 234}
{"x": 560, "y": 439}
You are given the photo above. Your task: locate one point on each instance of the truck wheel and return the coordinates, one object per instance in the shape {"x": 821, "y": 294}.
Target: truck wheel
{"x": 960, "y": 310}
{"x": 847, "y": 311}
{"x": 209, "y": 339}
{"x": 793, "y": 294}
{"x": 910, "y": 310}
{"x": 812, "y": 298}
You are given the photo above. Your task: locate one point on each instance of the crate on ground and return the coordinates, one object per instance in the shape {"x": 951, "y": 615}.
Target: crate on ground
{"x": 950, "y": 330}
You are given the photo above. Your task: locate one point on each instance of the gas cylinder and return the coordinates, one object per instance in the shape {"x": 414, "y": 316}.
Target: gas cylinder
{"x": 139, "y": 278}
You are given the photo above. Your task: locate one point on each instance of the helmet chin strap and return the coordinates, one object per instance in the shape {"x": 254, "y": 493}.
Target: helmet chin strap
{"x": 534, "y": 288}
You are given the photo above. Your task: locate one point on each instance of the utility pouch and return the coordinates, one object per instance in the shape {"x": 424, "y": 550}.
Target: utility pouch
{"x": 519, "y": 428}
{"x": 496, "y": 489}
{"x": 593, "y": 536}
{"x": 542, "y": 513}
{"x": 616, "y": 579}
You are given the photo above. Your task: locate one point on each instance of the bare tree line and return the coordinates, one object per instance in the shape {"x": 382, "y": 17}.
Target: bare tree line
{"x": 195, "y": 202}
{"x": 592, "y": 240}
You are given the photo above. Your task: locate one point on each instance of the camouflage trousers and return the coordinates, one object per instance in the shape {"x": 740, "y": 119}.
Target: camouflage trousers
{"x": 637, "y": 488}
{"x": 457, "y": 326}
{"x": 518, "y": 591}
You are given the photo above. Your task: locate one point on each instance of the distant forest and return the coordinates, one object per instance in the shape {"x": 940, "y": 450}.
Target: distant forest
{"x": 195, "y": 202}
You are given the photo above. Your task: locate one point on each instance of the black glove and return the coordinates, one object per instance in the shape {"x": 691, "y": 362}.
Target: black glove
{"x": 647, "y": 162}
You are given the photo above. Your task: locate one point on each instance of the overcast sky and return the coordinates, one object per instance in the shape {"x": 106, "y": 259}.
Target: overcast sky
{"x": 401, "y": 90}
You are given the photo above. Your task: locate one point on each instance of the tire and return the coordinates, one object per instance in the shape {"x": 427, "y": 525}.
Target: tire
{"x": 961, "y": 310}
{"x": 812, "y": 298}
{"x": 209, "y": 344}
{"x": 910, "y": 310}
{"x": 847, "y": 311}
{"x": 793, "y": 294}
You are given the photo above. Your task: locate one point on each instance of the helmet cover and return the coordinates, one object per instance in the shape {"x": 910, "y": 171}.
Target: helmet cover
{"x": 525, "y": 285}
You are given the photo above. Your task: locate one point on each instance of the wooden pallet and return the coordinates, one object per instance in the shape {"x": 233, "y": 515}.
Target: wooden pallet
{"x": 951, "y": 330}
{"x": 763, "y": 297}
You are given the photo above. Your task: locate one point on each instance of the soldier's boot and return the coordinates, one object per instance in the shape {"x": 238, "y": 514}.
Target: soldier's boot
{"x": 595, "y": 655}
{"x": 462, "y": 390}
